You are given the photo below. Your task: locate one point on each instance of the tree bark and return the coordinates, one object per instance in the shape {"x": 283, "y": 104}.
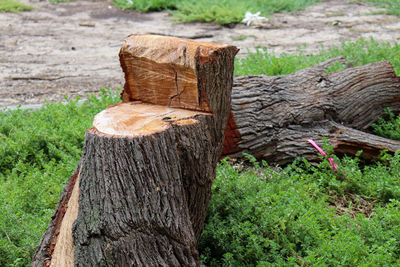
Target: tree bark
{"x": 140, "y": 195}
{"x": 132, "y": 206}
{"x": 273, "y": 116}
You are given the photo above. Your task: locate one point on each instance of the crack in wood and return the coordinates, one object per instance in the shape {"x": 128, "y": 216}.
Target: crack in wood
{"x": 178, "y": 94}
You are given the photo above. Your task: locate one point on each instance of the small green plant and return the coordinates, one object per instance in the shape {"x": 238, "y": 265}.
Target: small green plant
{"x": 146, "y": 5}
{"x": 58, "y": 1}
{"x": 392, "y": 6}
{"x": 239, "y": 37}
{"x": 13, "y": 6}
{"x": 335, "y": 14}
{"x": 388, "y": 126}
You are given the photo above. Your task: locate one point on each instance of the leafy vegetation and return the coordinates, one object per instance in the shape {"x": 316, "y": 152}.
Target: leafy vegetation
{"x": 219, "y": 11}
{"x": 392, "y": 6}
{"x": 265, "y": 216}
{"x": 39, "y": 150}
{"x": 13, "y": 6}
{"x": 357, "y": 53}
{"x": 388, "y": 126}
{"x": 302, "y": 214}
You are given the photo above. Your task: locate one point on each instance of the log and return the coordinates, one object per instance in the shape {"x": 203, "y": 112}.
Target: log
{"x": 140, "y": 194}
{"x": 273, "y": 116}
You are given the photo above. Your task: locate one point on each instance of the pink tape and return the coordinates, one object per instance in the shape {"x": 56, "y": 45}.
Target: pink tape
{"x": 331, "y": 161}
{"x": 317, "y": 147}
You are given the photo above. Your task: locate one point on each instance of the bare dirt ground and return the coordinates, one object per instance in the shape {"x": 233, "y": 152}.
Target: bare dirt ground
{"x": 71, "y": 49}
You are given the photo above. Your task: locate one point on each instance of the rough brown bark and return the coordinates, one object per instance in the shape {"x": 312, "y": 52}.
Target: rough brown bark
{"x": 132, "y": 206}
{"x": 144, "y": 182}
{"x": 272, "y": 117}
{"x": 188, "y": 74}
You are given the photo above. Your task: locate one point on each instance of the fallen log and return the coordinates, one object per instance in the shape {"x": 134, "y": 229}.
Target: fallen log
{"x": 141, "y": 191}
{"x": 273, "y": 116}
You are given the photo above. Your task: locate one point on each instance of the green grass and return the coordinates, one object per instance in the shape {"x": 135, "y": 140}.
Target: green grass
{"x": 257, "y": 216}
{"x": 357, "y": 53}
{"x": 219, "y": 11}
{"x": 392, "y": 6}
{"x": 146, "y": 5}
{"x": 229, "y": 11}
{"x": 13, "y": 6}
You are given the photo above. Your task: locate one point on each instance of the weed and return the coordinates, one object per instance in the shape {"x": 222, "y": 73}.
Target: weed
{"x": 221, "y": 11}
{"x": 239, "y": 37}
{"x": 146, "y": 5}
{"x": 13, "y": 6}
{"x": 357, "y": 53}
{"x": 392, "y": 6}
{"x": 58, "y": 1}
{"x": 335, "y": 14}
{"x": 388, "y": 126}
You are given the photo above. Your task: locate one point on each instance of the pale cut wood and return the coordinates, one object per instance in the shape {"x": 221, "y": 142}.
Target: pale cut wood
{"x": 63, "y": 254}
{"x": 139, "y": 119}
{"x": 273, "y": 116}
{"x": 173, "y": 72}
{"x": 48, "y": 241}
{"x": 148, "y": 163}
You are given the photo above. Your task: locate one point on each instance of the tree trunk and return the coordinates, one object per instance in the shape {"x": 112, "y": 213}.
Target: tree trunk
{"x": 272, "y": 117}
{"x": 140, "y": 195}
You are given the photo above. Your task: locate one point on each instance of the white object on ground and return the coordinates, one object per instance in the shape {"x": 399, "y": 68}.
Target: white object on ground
{"x": 250, "y": 18}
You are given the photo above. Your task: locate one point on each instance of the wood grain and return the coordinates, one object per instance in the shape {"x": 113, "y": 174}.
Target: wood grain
{"x": 273, "y": 116}
{"x": 173, "y": 72}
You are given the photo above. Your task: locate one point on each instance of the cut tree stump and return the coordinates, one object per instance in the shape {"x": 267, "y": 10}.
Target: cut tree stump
{"x": 273, "y": 116}
{"x": 140, "y": 194}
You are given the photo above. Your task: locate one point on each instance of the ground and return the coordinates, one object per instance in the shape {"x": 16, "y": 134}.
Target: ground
{"x": 71, "y": 49}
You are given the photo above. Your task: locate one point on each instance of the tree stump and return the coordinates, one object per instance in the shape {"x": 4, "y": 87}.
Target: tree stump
{"x": 273, "y": 116}
{"x": 140, "y": 194}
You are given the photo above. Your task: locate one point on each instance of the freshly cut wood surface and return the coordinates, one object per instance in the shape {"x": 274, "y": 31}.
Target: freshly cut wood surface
{"x": 63, "y": 255}
{"x": 139, "y": 119}
{"x": 273, "y": 116}
{"x": 174, "y": 72}
{"x": 145, "y": 185}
